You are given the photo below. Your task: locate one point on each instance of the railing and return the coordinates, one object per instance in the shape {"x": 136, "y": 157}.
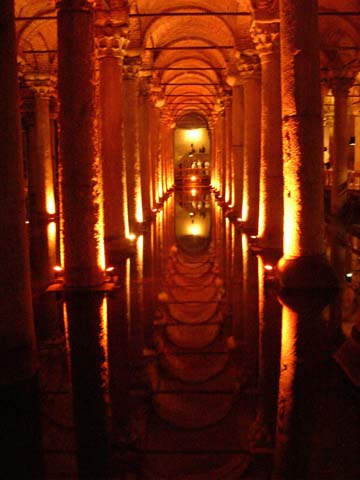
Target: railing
{"x": 185, "y": 175}
{"x": 353, "y": 179}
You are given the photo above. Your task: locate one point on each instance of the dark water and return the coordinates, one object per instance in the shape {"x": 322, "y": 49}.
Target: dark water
{"x": 183, "y": 368}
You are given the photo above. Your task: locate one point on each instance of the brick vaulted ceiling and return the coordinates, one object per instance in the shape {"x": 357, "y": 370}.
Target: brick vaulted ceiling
{"x": 186, "y": 48}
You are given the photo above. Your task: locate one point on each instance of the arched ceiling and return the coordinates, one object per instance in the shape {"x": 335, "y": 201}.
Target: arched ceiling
{"x": 186, "y": 46}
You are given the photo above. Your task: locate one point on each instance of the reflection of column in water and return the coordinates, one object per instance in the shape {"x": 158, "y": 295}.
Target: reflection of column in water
{"x": 263, "y": 431}
{"x": 118, "y": 358}
{"x": 87, "y": 373}
{"x": 236, "y": 288}
{"x": 250, "y": 305}
{"x": 338, "y": 260}
{"x": 301, "y": 365}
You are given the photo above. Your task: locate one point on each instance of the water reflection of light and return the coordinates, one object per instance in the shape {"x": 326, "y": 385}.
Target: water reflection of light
{"x": 105, "y": 348}
{"x": 193, "y": 192}
{"x": 67, "y": 336}
{"x": 128, "y": 292}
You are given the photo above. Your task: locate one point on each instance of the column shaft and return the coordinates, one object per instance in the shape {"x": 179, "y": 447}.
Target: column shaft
{"x": 341, "y": 139}
{"x": 144, "y": 143}
{"x": 80, "y": 172}
{"x": 303, "y": 263}
{"x": 131, "y": 147}
{"x": 271, "y": 174}
{"x": 112, "y": 151}
{"x": 252, "y": 106}
{"x": 238, "y": 145}
{"x": 18, "y": 357}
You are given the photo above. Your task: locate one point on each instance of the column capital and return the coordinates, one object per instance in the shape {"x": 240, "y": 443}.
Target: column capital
{"x": 42, "y": 86}
{"x": 249, "y": 65}
{"x": 131, "y": 64}
{"x": 111, "y": 40}
{"x": 340, "y": 86}
{"x": 246, "y": 66}
{"x": 266, "y": 37}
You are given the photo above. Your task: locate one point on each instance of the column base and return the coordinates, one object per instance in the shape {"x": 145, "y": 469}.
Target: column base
{"x": 307, "y": 272}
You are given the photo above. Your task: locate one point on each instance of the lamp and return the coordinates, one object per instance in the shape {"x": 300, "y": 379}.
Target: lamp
{"x": 352, "y": 140}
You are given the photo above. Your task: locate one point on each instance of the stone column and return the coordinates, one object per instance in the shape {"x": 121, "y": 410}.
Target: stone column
{"x": 228, "y": 172}
{"x": 249, "y": 70}
{"x": 155, "y": 152}
{"x": 80, "y": 168}
{"x": 238, "y": 145}
{"x": 42, "y": 208}
{"x": 144, "y": 144}
{"x": 19, "y": 436}
{"x": 266, "y": 39}
{"x": 131, "y": 141}
{"x": 18, "y": 351}
{"x": 340, "y": 89}
{"x": 303, "y": 264}
{"x": 110, "y": 52}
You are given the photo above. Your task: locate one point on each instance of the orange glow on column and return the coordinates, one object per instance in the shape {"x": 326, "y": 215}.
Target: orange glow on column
{"x": 261, "y": 208}
{"x": 99, "y": 232}
{"x": 245, "y": 209}
{"x": 139, "y": 210}
{"x": 50, "y": 200}
{"x": 67, "y": 338}
{"x": 125, "y": 200}
{"x": 51, "y": 236}
{"x": 291, "y": 212}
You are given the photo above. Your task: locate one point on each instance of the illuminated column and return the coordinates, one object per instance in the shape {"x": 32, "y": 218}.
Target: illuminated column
{"x": 221, "y": 151}
{"x": 18, "y": 357}
{"x": 304, "y": 264}
{"x": 227, "y": 174}
{"x": 41, "y": 188}
{"x": 249, "y": 70}
{"x": 155, "y": 149}
{"x": 131, "y": 140}
{"x": 80, "y": 168}
{"x": 153, "y": 152}
{"x": 212, "y": 149}
{"x": 144, "y": 145}
{"x": 164, "y": 145}
{"x": 238, "y": 144}
{"x": 340, "y": 88}
{"x": 42, "y": 181}
{"x": 110, "y": 45}
{"x": 266, "y": 39}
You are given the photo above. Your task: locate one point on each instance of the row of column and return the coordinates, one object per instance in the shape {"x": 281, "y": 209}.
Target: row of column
{"x": 276, "y": 185}
{"x": 113, "y": 170}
